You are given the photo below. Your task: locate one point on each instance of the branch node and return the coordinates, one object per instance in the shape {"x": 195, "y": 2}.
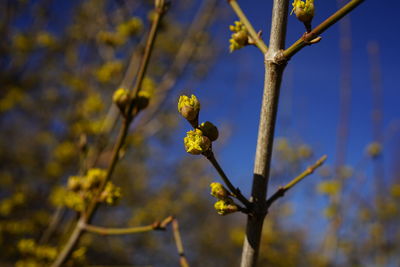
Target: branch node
{"x": 277, "y": 57}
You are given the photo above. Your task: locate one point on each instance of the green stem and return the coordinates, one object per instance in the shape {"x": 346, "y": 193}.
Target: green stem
{"x": 118, "y": 231}
{"x": 256, "y": 38}
{"x": 282, "y": 190}
{"x": 305, "y": 40}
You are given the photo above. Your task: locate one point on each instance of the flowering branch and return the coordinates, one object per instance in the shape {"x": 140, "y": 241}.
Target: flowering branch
{"x": 308, "y": 38}
{"x": 88, "y": 213}
{"x": 282, "y": 190}
{"x": 234, "y": 190}
{"x": 254, "y": 36}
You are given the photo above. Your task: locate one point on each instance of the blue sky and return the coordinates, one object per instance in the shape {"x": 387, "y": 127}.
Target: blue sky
{"x": 309, "y": 100}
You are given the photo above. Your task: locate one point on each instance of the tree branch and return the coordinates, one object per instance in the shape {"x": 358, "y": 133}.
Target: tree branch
{"x": 308, "y": 37}
{"x": 156, "y": 226}
{"x": 253, "y": 34}
{"x": 234, "y": 190}
{"x": 269, "y": 108}
{"x": 129, "y": 230}
{"x": 88, "y": 214}
{"x": 179, "y": 245}
{"x": 282, "y": 190}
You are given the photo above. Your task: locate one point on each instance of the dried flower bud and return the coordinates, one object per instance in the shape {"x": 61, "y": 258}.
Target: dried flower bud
{"x": 209, "y": 130}
{"x": 196, "y": 143}
{"x": 224, "y": 207}
{"x": 219, "y": 191}
{"x": 304, "y": 12}
{"x": 121, "y": 98}
{"x": 189, "y": 107}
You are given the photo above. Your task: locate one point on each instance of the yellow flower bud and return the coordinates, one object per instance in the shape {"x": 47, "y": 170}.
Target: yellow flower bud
{"x": 130, "y": 27}
{"x": 239, "y": 37}
{"x": 330, "y": 188}
{"x": 94, "y": 178}
{"x": 110, "y": 194}
{"x": 196, "y": 143}
{"x": 121, "y": 98}
{"x": 395, "y": 190}
{"x": 304, "y": 152}
{"x": 189, "y": 107}
{"x": 209, "y": 130}
{"x": 219, "y": 191}
{"x": 224, "y": 207}
{"x": 374, "y": 150}
{"x": 304, "y": 12}
{"x": 110, "y": 38}
{"x": 74, "y": 183}
{"x": 145, "y": 93}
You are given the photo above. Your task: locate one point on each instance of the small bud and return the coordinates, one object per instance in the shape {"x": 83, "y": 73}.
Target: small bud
{"x": 74, "y": 183}
{"x": 121, "y": 98}
{"x": 395, "y": 190}
{"x": 304, "y": 152}
{"x": 196, "y": 143}
{"x": 304, "y": 12}
{"x": 110, "y": 38}
{"x": 330, "y": 188}
{"x": 239, "y": 37}
{"x": 189, "y": 107}
{"x": 145, "y": 93}
{"x": 110, "y": 194}
{"x": 129, "y": 28}
{"x": 374, "y": 150}
{"x": 219, "y": 191}
{"x": 209, "y": 130}
{"x": 224, "y": 207}
{"x": 93, "y": 178}
{"x": 142, "y": 101}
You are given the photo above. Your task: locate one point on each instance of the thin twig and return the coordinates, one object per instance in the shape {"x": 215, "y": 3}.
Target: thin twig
{"x": 179, "y": 245}
{"x": 183, "y": 57}
{"x": 156, "y": 226}
{"x": 305, "y": 40}
{"x": 234, "y": 190}
{"x": 54, "y": 222}
{"x": 88, "y": 214}
{"x": 282, "y": 190}
{"x": 253, "y": 34}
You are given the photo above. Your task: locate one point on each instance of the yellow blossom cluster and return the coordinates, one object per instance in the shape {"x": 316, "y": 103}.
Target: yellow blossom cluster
{"x": 122, "y": 32}
{"x": 189, "y": 107}
{"x": 304, "y": 12}
{"x": 239, "y": 37}
{"x": 225, "y": 204}
{"x": 81, "y": 189}
{"x": 196, "y": 143}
